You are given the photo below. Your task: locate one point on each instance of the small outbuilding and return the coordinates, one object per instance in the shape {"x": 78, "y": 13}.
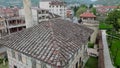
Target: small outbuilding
{"x": 87, "y": 16}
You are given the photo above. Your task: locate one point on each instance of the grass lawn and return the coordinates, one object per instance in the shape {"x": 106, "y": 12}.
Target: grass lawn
{"x": 115, "y": 51}
{"x": 4, "y": 66}
{"x": 92, "y": 63}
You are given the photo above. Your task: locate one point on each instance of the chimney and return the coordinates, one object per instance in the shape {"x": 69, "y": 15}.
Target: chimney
{"x": 28, "y": 13}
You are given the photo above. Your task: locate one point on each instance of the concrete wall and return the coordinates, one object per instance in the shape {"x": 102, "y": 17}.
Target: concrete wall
{"x": 26, "y": 61}
{"x": 78, "y": 55}
{"x": 34, "y": 14}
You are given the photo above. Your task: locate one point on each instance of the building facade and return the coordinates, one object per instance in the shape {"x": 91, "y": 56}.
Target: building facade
{"x": 39, "y": 14}
{"x": 54, "y": 6}
{"x": 34, "y": 13}
{"x": 15, "y": 24}
{"x": 3, "y": 29}
{"x": 88, "y": 16}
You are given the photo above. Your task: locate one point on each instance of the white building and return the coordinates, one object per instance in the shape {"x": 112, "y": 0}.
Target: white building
{"x": 34, "y": 13}
{"x": 39, "y": 14}
{"x": 54, "y": 6}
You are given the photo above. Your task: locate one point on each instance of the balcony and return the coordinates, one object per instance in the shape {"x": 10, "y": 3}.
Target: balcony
{"x": 16, "y": 25}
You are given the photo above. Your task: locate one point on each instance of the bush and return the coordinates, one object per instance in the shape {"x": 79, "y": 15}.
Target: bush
{"x": 90, "y": 45}
{"x": 1, "y": 60}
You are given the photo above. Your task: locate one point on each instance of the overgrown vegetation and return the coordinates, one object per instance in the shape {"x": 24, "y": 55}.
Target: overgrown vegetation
{"x": 83, "y": 8}
{"x": 3, "y": 62}
{"x": 105, "y": 26}
{"x": 92, "y": 63}
{"x": 4, "y": 66}
{"x": 90, "y": 45}
{"x": 112, "y": 25}
{"x": 113, "y": 18}
{"x": 114, "y": 45}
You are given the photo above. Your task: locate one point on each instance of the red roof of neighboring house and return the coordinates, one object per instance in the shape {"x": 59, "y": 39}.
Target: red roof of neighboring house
{"x": 87, "y": 14}
{"x": 107, "y": 7}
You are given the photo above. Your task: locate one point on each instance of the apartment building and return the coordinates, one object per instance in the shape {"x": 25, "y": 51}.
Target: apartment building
{"x": 39, "y": 14}
{"x": 54, "y": 6}
{"x": 14, "y": 24}
{"x": 56, "y": 43}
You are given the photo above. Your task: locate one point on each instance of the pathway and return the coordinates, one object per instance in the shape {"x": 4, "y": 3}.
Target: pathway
{"x": 107, "y": 59}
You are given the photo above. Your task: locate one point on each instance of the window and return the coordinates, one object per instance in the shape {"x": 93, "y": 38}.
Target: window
{"x": 19, "y": 57}
{"x": 80, "y": 63}
{"x": 33, "y": 63}
{"x": 80, "y": 60}
{"x": 60, "y": 6}
{"x": 89, "y": 38}
{"x": 40, "y": 12}
{"x": 15, "y": 66}
{"x": 39, "y": 17}
{"x": 76, "y": 66}
{"x": 13, "y": 54}
{"x": 43, "y": 17}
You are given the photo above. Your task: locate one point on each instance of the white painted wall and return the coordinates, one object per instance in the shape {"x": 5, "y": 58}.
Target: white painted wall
{"x": 56, "y": 10}
{"x": 34, "y": 13}
{"x": 25, "y": 63}
{"x": 44, "y": 4}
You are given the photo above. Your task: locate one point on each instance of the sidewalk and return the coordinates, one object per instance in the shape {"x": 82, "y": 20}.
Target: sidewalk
{"x": 107, "y": 59}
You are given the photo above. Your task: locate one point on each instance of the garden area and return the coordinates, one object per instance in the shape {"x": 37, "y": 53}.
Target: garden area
{"x": 114, "y": 47}
{"x": 92, "y": 63}
{"x": 112, "y": 25}
{"x": 3, "y": 63}
{"x": 4, "y": 66}
{"x": 90, "y": 45}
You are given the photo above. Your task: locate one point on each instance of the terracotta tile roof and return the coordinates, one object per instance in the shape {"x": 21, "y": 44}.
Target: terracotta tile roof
{"x": 57, "y": 3}
{"x": 87, "y": 14}
{"x": 54, "y": 42}
{"x": 107, "y": 7}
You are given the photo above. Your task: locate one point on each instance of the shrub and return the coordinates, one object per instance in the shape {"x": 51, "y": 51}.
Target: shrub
{"x": 90, "y": 45}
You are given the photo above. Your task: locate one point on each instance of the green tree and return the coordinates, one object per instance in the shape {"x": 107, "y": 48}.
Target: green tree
{"x": 119, "y": 24}
{"x": 83, "y": 5}
{"x": 75, "y": 10}
{"x": 93, "y": 10}
{"x": 90, "y": 6}
{"x": 80, "y": 11}
{"x": 113, "y": 18}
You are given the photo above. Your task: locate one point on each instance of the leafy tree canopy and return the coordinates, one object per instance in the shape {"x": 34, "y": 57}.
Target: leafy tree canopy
{"x": 113, "y": 18}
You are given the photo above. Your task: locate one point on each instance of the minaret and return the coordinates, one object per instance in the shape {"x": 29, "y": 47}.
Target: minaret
{"x": 28, "y": 13}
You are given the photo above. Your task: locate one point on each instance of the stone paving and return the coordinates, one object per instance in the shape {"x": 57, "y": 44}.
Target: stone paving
{"x": 107, "y": 59}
